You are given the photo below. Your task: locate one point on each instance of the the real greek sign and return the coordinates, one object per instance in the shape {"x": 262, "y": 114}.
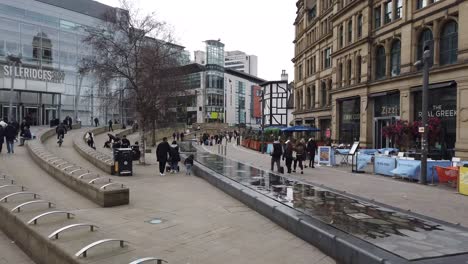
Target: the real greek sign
{"x": 34, "y": 74}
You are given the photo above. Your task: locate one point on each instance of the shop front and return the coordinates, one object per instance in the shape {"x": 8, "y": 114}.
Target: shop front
{"x": 442, "y": 105}
{"x": 37, "y": 108}
{"x": 349, "y": 125}
{"x": 386, "y": 112}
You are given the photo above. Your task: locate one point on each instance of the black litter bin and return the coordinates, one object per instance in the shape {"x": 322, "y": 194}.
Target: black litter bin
{"x": 123, "y": 162}
{"x": 136, "y": 152}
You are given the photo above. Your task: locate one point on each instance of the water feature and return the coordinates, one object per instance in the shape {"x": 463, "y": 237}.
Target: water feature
{"x": 401, "y": 234}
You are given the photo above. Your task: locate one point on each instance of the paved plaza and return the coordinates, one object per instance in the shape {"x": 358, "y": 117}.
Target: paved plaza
{"x": 440, "y": 202}
{"x": 200, "y": 224}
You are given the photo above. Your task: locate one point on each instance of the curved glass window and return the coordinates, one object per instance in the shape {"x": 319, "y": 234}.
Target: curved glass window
{"x": 396, "y": 57}
{"x": 449, "y": 43}
{"x": 380, "y": 63}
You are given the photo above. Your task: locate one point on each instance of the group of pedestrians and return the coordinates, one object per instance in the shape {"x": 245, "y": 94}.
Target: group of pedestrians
{"x": 9, "y": 132}
{"x": 294, "y": 153}
{"x": 178, "y": 136}
{"x": 169, "y": 153}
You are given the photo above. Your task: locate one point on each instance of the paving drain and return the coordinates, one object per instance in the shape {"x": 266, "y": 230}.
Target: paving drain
{"x": 155, "y": 221}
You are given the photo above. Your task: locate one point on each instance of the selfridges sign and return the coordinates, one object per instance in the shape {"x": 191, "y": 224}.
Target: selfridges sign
{"x": 34, "y": 74}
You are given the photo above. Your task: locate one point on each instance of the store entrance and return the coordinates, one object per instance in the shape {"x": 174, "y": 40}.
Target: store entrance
{"x": 6, "y": 111}
{"x": 380, "y": 141}
{"x": 50, "y": 114}
{"x": 31, "y": 114}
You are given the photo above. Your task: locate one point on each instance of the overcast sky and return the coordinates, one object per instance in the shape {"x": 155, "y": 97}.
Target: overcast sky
{"x": 257, "y": 27}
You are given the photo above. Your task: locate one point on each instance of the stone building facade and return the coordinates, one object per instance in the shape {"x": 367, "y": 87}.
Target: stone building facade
{"x": 355, "y": 68}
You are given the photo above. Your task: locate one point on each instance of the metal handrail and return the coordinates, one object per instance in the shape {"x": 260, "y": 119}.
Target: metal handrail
{"x": 34, "y": 219}
{"x": 31, "y": 202}
{"x": 5, "y": 179}
{"x": 98, "y": 178}
{"x": 71, "y": 166}
{"x": 112, "y": 183}
{"x": 5, "y": 198}
{"x": 73, "y": 171}
{"x": 82, "y": 175}
{"x": 60, "y": 230}
{"x": 84, "y": 250}
{"x": 65, "y": 163}
{"x": 158, "y": 260}
{"x": 12, "y": 185}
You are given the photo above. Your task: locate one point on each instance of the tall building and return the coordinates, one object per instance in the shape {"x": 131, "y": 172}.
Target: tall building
{"x": 47, "y": 35}
{"x": 355, "y": 68}
{"x": 240, "y": 61}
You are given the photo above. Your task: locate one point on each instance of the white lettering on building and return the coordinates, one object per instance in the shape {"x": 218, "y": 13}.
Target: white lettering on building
{"x": 34, "y": 74}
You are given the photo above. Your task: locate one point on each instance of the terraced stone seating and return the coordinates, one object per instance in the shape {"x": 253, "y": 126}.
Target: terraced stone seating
{"x": 89, "y": 184}
{"x": 101, "y": 160}
{"x": 50, "y": 235}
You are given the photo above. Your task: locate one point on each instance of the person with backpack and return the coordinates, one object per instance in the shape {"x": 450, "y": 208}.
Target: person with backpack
{"x": 10, "y": 136}
{"x": 311, "y": 148}
{"x": 300, "y": 149}
{"x": 174, "y": 157}
{"x": 89, "y": 137}
{"x": 276, "y": 155}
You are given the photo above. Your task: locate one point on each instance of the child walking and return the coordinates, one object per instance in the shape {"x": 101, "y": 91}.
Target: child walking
{"x": 188, "y": 165}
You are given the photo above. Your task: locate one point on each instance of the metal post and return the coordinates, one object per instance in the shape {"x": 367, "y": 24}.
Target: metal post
{"x": 10, "y": 109}
{"x": 263, "y": 120}
{"x": 424, "y": 140}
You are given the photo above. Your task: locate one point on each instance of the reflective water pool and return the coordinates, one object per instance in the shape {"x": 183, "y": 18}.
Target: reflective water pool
{"x": 401, "y": 234}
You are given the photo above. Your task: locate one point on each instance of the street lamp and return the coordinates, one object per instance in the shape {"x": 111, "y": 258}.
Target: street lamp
{"x": 263, "y": 119}
{"x": 14, "y": 61}
{"x": 426, "y": 60}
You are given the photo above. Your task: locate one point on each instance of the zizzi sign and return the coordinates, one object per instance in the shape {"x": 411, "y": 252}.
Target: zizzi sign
{"x": 34, "y": 74}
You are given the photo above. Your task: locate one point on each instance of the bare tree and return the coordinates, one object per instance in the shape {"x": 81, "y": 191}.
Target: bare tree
{"x": 140, "y": 51}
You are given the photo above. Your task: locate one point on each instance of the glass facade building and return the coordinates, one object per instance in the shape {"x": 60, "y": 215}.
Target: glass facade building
{"x": 48, "y": 37}
{"x": 214, "y": 97}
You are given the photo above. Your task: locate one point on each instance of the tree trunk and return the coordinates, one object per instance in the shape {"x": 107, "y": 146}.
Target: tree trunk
{"x": 143, "y": 141}
{"x": 153, "y": 132}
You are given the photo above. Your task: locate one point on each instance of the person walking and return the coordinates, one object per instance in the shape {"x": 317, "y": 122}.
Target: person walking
{"x": 161, "y": 154}
{"x": 311, "y": 148}
{"x": 10, "y": 136}
{"x": 89, "y": 137}
{"x": 25, "y": 135}
{"x": 276, "y": 155}
{"x": 96, "y": 121}
{"x": 110, "y": 125}
{"x": 174, "y": 136}
{"x": 174, "y": 157}
{"x": 125, "y": 142}
{"x": 2, "y": 134}
{"x": 189, "y": 164}
{"x": 182, "y": 135}
{"x": 300, "y": 149}
{"x": 288, "y": 155}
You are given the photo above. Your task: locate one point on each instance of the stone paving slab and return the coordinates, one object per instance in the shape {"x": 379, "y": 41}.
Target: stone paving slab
{"x": 439, "y": 202}
{"x": 199, "y": 224}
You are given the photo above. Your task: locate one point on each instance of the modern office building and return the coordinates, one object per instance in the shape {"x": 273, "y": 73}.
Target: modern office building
{"x": 47, "y": 35}
{"x": 240, "y": 61}
{"x": 355, "y": 68}
{"x": 242, "y": 98}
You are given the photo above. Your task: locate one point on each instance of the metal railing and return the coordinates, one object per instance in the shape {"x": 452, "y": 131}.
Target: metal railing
{"x": 5, "y": 198}
{"x": 158, "y": 260}
{"x": 84, "y": 250}
{"x": 109, "y": 184}
{"x": 60, "y": 230}
{"x": 13, "y": 185}
{"x": 31, "y": 202}
{"x": 34, "y": 219}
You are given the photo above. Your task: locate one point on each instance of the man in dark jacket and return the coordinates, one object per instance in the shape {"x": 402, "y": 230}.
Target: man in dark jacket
{"x": 10, "y": 136}
{"x": 110, "y": 125}
{"x": 276, "y": 155}
{"x": 125, "y": 142}
{"x": 61, "y": 129}
{"x": 161, "y": 154}
{"x": 311, "y": 148}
